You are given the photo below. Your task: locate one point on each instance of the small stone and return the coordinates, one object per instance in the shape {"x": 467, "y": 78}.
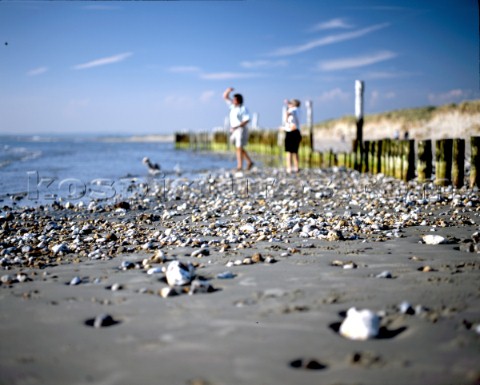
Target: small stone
{"x": 270, "y": 259}
{"x": 103, "y": 320}
{"x": 154, "y": 270}
{"x": 22, "y": 277}
{"x": 116, "y": 287}
{"x": 166, "y": 292}
{"x": 200, "y": 286}
{"x": 200, "y": 252}
{"x": 127, "y": 265}
{"x": 226, "y": 275}
{"x": 60, "y": 248}
{"x": 257, "y": 258}
{"x": 406, "y": 308}
{"x": 384, "y": 274}
{"x": 426, "y": 269}
{"x": 7, "y": 279}
{"x": 179, "y": 273}
{"x": 75, "y": 281}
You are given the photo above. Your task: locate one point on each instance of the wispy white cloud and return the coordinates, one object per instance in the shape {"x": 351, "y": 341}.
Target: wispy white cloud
{"x": 37, "y": 71}
{"x": 375, "y": 75}
{"x": 100, "y": 7}
{"x": 331, "y": 24}
{"x": 74, "y": 107}
{"x": 355, "y": 62}
{"x": 228, "y": 75}
{"x": 184, "y": 69}
{"x": 175, "y": 100}
{"x": 335, "y": 94}
{"x": 263, "y": 64}
{"x": 331, "y": 39}
{"x": 103, "y": 61}
{"x": 376, "y": 95}
{"x": 206, "y": 96}
{"x": 451, "y": 96}
{"x": 187, "y": 69}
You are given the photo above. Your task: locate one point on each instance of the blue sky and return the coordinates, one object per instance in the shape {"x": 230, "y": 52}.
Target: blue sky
{"x": 155, "y": 67}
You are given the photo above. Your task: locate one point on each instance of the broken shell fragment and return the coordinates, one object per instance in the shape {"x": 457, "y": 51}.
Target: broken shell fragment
{"x": 431, "y": 239}
{"x": 360, "y": 325}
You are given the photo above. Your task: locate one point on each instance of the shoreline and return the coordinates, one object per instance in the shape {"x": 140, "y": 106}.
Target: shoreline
{"x": 285, "y": 256}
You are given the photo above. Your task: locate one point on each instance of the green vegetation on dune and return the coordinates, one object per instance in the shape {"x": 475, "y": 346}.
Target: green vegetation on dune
{"x": 408, "y": 115}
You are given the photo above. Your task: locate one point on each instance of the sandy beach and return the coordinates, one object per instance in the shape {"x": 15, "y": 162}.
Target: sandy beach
{"x": 274, "y": 262}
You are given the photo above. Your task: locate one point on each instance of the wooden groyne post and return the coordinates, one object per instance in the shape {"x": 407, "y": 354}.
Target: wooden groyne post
{"x": 443, "y": 162}
{"x": 309, "y": 106}
{"x": 358, "y": 144}
{"x": 475, "y": 162}
{"x": 458, "y": 163}
{"x": 425, "y": 158}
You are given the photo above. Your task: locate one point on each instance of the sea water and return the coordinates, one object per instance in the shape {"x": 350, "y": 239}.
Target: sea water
{"x": 37, "y": 170}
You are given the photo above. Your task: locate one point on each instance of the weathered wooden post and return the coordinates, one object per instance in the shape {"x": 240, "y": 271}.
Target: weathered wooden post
{"x": 366, "y": 156}
{"x": 425, "y": 158}
{"x": 255, "y": 121}
{"x": 226, "y": 127}
{"x": 411, "y": 160}
{"x": 443, "y": 162}
{"x": 358, "y": 148}
{"x": 475, "y": 162}
{"x": 379, "y": 148}
{"x": 458, "y": 165}
{"x": 309, "y": 106}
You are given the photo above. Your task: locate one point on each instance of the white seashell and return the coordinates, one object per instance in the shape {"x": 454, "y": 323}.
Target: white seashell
{"x": 406, "y": 308}
{"x": 179, "y": 274}
{"x": 167, "y": 292}
{"x": 384, "y": 274}
{"x": 154, "y": 270}
{"x": 22, "y": 277}
{"x": 61, "y": 247}
{"x": 75, "y": 281}
{"x": 247, "y": 228}
{"x": 434, "y": 239}
{"x": 116, "y": 287}
{"x": 360, "y": 325}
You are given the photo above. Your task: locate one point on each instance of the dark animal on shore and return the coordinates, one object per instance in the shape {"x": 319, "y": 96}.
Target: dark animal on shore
{"x": 153, "y": 168}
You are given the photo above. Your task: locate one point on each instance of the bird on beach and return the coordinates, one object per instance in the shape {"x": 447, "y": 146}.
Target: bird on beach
{"x": 153, "y": 168}
{"x": 178, "y": 169}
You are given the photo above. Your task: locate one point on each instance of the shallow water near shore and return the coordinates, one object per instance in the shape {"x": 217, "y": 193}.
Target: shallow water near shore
{"x": 43, "y": 169}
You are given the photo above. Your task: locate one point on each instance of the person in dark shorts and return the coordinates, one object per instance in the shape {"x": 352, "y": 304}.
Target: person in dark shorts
{"x": 293, "y": 136}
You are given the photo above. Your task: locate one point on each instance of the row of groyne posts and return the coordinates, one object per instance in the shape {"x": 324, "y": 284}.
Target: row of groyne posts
{"x": 443, "y": 161}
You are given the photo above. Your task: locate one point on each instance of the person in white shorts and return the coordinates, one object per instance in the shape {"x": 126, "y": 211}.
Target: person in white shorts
{"x": 239, "y": 119}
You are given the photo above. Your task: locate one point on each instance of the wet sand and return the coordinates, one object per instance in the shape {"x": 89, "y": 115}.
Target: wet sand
{"x": 301, "y": 249}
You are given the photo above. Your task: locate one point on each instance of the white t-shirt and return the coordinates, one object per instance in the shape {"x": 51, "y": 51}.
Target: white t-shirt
{"x": 238, "y": 114}
{"x": 292, "y": 119}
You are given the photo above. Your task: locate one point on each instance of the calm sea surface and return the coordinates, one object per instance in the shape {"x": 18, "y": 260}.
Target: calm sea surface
{"x": 47, "y": 169}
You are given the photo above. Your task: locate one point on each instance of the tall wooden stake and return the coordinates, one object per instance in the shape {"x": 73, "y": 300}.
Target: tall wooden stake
{"x": 475, "y": 162}
{"x": 359, "y": 86}
{"x": 309, "y": 106}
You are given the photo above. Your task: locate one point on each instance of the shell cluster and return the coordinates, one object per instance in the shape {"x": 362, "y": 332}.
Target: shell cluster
{"x": 226, "y": 213}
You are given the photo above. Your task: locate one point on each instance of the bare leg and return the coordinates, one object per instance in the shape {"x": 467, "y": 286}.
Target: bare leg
{"x": 247, "y": 158}
{"x": 288, "y": 161}
{"x": 295, "y": 162}
{"x": 239, "y": 152}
